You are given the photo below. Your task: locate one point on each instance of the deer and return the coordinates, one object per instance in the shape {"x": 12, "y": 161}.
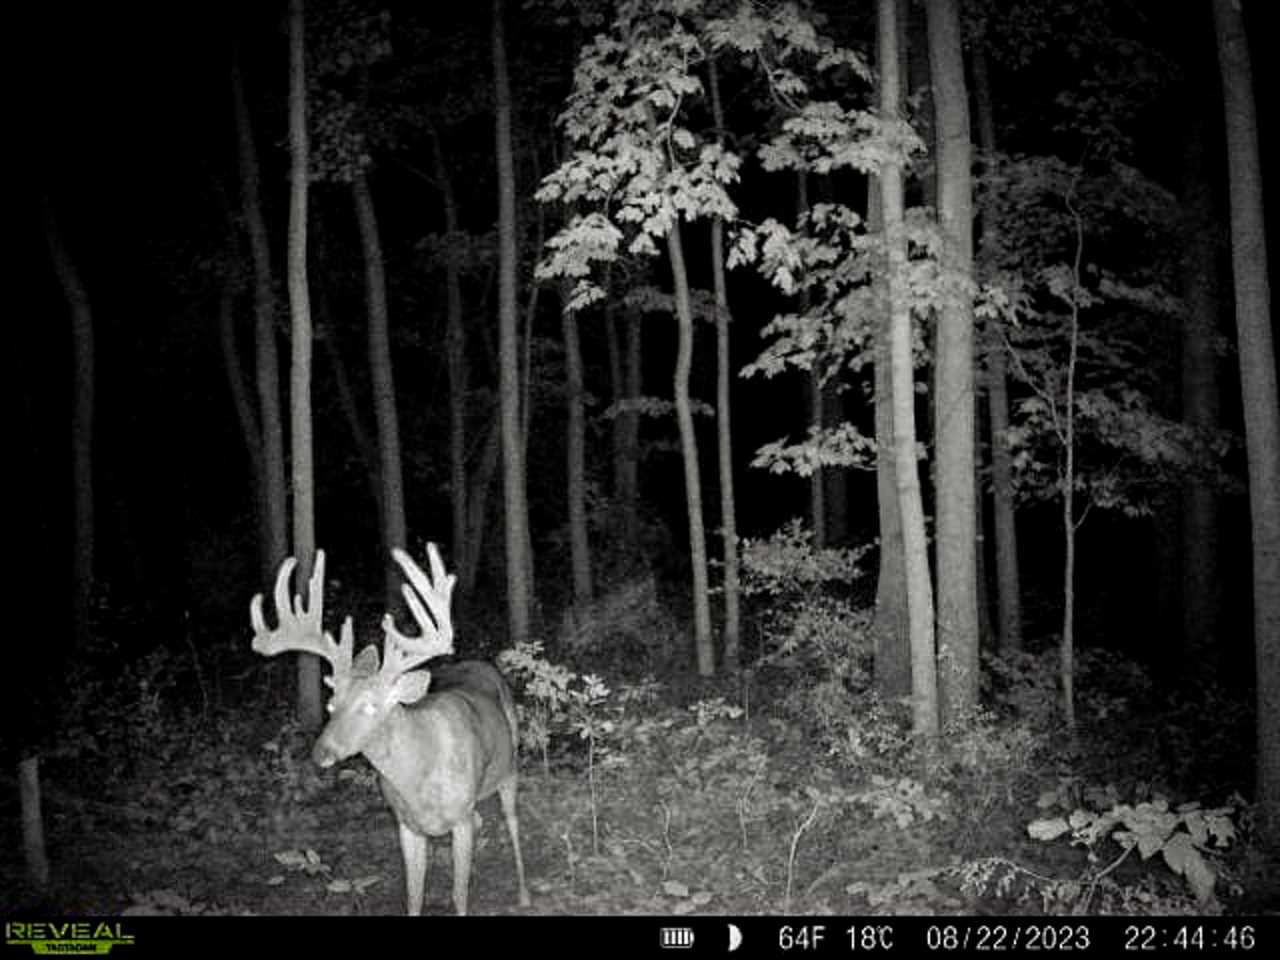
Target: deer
{"x": 441, "y": 741}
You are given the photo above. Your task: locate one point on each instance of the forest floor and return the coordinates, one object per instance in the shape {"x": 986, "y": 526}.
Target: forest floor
{"x": 789, "y": 790}
{"x": 660, "y": 800}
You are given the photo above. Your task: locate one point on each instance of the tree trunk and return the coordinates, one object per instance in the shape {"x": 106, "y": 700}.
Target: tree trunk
{"x": 304, "y": 516}
{"x": 1008, "y": 586}
{"x": 634, "y": 378}
{"x": 516, "y": 509}
{"x": 1201, "y": 591}
{"x": 272, "y": 495}
{"x": 83, "y": 369}
{"x": 575, "y": 455}
{"x": 915, "y": 547}
{"x": 953, "y": 410}
{"x": 813, "y": 384}
{"x": 617, "y": 383}
{"x": 891, "y": 624}
{"x": 456, "y": 358}
{"x": 1067, "y": 644}
{"x": 689, "y": 454}
{"x": 724, "y": 435}
{"x": 478, "y": 506}
{"x": 1261, "y": 403}
{"x": 32, "y": 814}
{"x": 980, "y": 537}
{"x": 382, "y": 379}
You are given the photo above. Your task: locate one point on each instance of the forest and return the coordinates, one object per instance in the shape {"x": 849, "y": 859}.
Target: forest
{"x": 825, "y": 454}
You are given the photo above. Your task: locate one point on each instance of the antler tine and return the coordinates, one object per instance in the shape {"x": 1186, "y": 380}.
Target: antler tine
{"x": 300, "y": 625}
{"x": 422, "y": 593}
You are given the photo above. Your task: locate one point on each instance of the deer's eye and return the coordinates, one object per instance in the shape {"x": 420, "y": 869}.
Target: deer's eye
{"x": 367, "y": 708}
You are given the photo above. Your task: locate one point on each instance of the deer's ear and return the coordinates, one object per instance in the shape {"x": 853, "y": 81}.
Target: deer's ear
{"x": 412, "y": 686}
{"x": 366, "y": 663}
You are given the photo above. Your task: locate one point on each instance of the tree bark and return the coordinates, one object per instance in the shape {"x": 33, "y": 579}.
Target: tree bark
{"x": 272, "y": 494}
{"x": 689, "y": 454}
{"x": 724, "y": 435}
{"x": 516, "y": 509}
{"x": 84, "y": 379}
{"x": 1008, "y": 585}
{"x": 891, "y": 624}
{"x": 953, "y": 411}
{"x": 916, "y": 557}
{"x": 382, "y": 378}
{"x": 575, "y": 455}
{"x": 32, "y": 814}
{"x": 630, "y": 475}
{"x": 478, "y": 505}
{"x": 1261, "y": 402}
{"x": 304, "y": 517}
{"x": 817, "y": 409}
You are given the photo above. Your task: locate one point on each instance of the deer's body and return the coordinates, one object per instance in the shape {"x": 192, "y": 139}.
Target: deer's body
{"x": 437, "y": 753}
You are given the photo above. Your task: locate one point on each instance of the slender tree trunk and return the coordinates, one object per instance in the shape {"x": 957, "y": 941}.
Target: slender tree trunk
{"x": 891, "y": 624}
{"x": 32, "y": 815}
{"x": 575, "y": 455}
{"x": 272, "y": 494}
{"x": 1067, "y": 645}
{"x": 478, "y": 505}
{"x": 1008, "y": 586}
{"x": 527, "y": 396}
{"x": 835, "y": 482}
{"x": 633, "y": 374}
{"x": 384, "y": 391}
{"x": 689, "y": 454}
{"x": 1201, "y": 592}
{"x": 980, "y": 536}
{"x": 83, "y": 367}
{"x": 724, "y": 434}
{"x": 304, "y": 516}
{"x": 516, "y": 509}
{"x": 953, "y": 412}
{"x": 1009, "y": 608}
{"x": 817, "y": 488}
{"x": 1261, "y": 400}
{"x": 919, "y": 590}
{"x": 617, "y": 383}
{"x": 456, "y": 358}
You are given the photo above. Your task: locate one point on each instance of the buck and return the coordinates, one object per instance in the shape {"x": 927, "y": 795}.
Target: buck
{"x": 441, "y": 741}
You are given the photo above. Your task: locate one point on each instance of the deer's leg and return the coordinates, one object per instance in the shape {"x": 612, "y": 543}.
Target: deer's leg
{"x": 507, "y": 794}
{"x": 464, "y": 834}
{"x": 413, "y": 847}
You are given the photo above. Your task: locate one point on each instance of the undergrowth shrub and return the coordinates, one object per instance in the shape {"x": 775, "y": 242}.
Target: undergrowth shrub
{"x": 814, "y": 659}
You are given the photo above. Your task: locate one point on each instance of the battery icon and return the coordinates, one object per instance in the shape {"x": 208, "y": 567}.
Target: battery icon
{"x": 677, "y": 938}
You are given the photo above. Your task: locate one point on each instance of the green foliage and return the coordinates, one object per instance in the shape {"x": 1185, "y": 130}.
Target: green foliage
{"x": 640, "y": 162}
{"x": 1128, "y": 450}
{"x": 828, "y": 262}
{"x": 555, "y": 700}
{"x": 787, "y": 565}
{"x": 1188, "y": 837}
